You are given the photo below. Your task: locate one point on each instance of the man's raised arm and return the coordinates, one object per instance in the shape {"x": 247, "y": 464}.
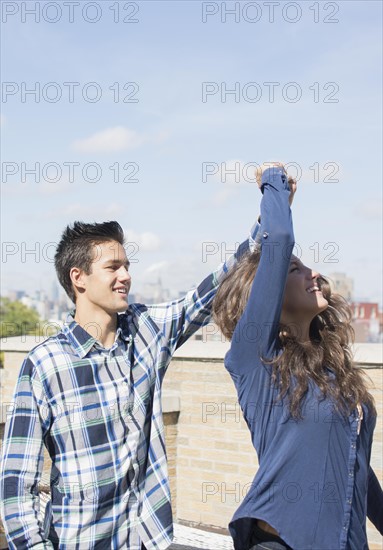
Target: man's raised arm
{"x": 179, "y": 319}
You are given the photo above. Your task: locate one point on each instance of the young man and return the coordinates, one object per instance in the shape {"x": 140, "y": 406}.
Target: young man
{"x": 92, "y": 396}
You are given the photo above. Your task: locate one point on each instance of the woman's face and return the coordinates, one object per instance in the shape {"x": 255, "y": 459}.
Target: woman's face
{"x": 303, "y": 299}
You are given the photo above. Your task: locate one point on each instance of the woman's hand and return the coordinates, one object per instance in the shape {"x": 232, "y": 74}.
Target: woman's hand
{"x": 293, "y": 188}
{"x": 292, "y": 181}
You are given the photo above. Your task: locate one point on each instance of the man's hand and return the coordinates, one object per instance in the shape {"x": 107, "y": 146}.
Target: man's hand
{"x": 292, "y": 182}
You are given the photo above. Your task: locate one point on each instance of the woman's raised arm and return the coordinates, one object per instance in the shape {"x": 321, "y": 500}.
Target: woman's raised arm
{"x": 257, "y": 330}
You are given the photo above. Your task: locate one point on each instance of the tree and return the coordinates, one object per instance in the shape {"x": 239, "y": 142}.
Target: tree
{"x": 17, "y": 319}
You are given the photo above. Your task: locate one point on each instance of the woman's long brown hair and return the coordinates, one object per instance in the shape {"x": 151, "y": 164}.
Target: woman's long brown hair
{"x": 331, "y": 335}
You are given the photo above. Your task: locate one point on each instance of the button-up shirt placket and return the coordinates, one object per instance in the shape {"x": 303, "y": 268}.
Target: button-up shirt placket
{"x": 354, "y": 423}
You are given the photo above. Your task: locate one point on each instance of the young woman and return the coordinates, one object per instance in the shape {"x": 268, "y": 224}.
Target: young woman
{"x": 310, "y": 415}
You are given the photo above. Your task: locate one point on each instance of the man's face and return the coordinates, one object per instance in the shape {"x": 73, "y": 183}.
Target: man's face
{"x": 108, "y": 284}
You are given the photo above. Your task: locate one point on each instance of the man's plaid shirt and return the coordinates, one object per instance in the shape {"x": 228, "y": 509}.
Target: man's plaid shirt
{"x": 98, "y": 412}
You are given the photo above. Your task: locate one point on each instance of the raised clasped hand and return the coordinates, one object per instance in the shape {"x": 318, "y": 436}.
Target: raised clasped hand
{"x": 292, "y": 181}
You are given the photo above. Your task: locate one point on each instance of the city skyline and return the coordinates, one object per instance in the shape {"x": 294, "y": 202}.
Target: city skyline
{"x": 156, "y": 292}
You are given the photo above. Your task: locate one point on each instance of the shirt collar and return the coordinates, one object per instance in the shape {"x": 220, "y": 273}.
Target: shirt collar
{"x": 123, "y": 330}
{"x": 82, "y": 342}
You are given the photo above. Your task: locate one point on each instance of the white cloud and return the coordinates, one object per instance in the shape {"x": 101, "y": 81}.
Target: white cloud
{"x": 370, "y": 210}
{"x": 87, "y": 212}
{"x": 33, "y": 189}
{"x": 146, "y": 241}
{"x": 230, "y": 174}
{"x": 156, "y": 267}
{"x": 46, "y": 188}
{"x": 176, "y": 275}
{"x": 223, "y": 196}
{"x": 160, "y": 137}
{"x": 236, "y": 172}
{"x": 109, "y": 140}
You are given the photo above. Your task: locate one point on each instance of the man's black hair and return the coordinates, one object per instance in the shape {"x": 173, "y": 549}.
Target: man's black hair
{"x": 76, "y": 248}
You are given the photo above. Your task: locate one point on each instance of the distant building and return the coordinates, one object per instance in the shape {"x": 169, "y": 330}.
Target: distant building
{"x": 16, "y": 295}
{"x": 155, "y": 293}
{"x": 367, "y": 321}
{"x": 341, "y": 284}
{"x": 39, "y": 302}
{"x": 55, "y": 294}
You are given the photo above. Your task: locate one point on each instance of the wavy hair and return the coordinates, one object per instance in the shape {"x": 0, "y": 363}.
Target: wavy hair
{"x": 331, "y": 336}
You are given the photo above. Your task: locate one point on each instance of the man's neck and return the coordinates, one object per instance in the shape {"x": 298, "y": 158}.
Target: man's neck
{"x": 98, "y": 323}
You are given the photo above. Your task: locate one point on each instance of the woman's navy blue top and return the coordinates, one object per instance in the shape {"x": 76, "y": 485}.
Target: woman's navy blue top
{"x": 314, "y": 484}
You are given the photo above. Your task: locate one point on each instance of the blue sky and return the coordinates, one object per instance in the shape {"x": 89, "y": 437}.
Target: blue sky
{"x": 326, "y": 114}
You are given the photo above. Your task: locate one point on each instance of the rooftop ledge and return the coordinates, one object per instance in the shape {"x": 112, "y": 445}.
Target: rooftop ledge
{"x": 369, "y": 355}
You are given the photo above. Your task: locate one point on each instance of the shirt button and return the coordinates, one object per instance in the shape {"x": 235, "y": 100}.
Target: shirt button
{"x": 265, "y": 235}
{"x": 353, "y": 446}
{"x": 351, "y": 473}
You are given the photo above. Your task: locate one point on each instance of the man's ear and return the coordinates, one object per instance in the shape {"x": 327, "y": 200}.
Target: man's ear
{"x": 77, "y": 276}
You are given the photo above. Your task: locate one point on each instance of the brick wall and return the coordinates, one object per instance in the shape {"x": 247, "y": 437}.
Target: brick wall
{"x": 215, "y": 458}
{"x": 210, "y": 456}
{"x": 8, "y": 377}
{"x": 171, "y": 438}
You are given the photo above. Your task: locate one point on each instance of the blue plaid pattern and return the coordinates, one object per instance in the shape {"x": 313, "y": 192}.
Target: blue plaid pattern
{"x": 98, "y": 412}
